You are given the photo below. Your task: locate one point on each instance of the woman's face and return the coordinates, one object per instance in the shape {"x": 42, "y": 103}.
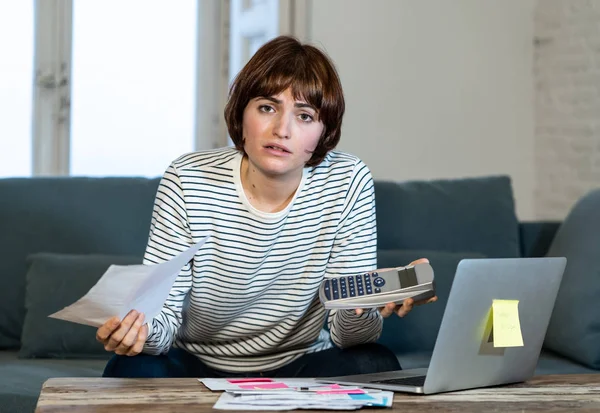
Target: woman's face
{"x": 280, "y": 134}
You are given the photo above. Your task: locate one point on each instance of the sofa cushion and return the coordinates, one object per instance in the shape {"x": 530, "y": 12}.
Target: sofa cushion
{"x": 55, "y": 281}
{"x": 418, "y": 330}
{"x": 574, "y": 329}
{"x": 21, "y": 380}
{"x": 471, "y": 214}
{"x": 552, "y": 363}
{"x": 65, "y": 215}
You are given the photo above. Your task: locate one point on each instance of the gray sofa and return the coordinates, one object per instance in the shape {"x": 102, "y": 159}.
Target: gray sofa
{"x": 58, "y": 235}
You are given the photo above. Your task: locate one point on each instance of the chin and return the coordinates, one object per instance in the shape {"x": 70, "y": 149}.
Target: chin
{"x": 279, "y": 170}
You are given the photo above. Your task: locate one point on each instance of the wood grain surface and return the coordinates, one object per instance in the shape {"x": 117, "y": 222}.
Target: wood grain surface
{"x": 555, "y": 393}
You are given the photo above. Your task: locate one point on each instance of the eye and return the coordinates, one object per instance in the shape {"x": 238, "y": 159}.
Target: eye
{"x": 305, "y": 117}
{"x": 266, "y": 108}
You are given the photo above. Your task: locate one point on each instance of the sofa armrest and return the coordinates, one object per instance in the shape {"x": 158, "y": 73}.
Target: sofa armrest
{"x": 536, "y": 237}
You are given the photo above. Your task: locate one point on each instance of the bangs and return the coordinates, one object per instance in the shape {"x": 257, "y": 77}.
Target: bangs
{"x": 305, "y": 86}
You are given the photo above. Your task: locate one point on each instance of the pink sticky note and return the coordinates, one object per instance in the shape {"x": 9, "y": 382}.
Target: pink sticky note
{"x": 263, "y": 386}
{"x": 341, "y": 391}
{"x": 250, "y": 380}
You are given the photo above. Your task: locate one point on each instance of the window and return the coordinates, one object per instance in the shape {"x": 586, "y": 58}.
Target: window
{"x": 117, "y": 88}
{"x": 16, "y": 67}
{"x": 133, "y": 85}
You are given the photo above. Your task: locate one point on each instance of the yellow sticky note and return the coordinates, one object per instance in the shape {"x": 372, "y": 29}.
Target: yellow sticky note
{"x": 506, "y": 325}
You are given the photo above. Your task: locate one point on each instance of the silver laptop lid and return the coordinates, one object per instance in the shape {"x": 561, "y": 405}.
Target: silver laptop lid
{"x": 463, "y": 356}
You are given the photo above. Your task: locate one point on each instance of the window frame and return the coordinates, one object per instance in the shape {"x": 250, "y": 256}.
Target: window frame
{"x": 51, "y": 117}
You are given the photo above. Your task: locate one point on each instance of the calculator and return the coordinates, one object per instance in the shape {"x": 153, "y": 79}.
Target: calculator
{"x": 379, "y": 287}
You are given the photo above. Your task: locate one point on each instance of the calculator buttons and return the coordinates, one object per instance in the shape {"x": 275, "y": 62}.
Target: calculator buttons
{"x": 327, "y": 289}
{"x": 335, "y": 289}
{"x": 351, "y": 287}
{"x": 368, "y": 288}
{"x": 343, "y": 289}
{"x": 359, "y": 285}
{"x": 378, "y": 282}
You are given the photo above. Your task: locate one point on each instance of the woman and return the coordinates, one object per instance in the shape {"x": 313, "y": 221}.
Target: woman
{"x": 283, "y": 211}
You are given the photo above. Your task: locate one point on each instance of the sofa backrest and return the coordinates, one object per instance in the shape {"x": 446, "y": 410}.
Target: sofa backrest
{"x": 65, "y": 215}
{"x": 444, "y": 221}
{"x": 469, "y": 217}
{"x": 475, "y": 215}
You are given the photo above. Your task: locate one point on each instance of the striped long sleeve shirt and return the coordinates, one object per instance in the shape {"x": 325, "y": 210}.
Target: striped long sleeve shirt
{"x": 248, "y": 301}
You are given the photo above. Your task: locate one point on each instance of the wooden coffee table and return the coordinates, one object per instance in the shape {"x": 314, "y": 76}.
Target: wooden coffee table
{"x": 556, "y": 393}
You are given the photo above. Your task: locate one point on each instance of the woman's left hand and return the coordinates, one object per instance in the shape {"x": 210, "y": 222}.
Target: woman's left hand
{"x": 406, "y": 306}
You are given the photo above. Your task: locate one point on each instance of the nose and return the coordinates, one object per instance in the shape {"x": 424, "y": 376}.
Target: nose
{"x": 282, "y": 126}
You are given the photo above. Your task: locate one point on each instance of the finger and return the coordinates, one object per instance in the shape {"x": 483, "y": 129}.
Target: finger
{"x": 359, "y": 311}
{"x": 419, "y": 261}
{"x": 106, "y": 329}
{"x": 131, "y": 336}
{"x": 117, "y": 336}
{"x": 405, "y": 308}
{"x": 141, "y": 340}
{"x": 430, "y": 300}
{"x": 387, "y": 310}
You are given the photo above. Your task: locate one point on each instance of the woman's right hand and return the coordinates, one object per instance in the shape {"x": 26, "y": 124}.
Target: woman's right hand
{"x": 126, "y": 337}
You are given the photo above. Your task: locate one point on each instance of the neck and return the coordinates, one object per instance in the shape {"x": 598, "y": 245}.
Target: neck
{"x": 267, "y": 193}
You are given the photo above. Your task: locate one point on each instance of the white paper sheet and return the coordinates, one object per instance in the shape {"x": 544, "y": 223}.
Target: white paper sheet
{"x": 228, "y": 401}
{"x": 123, "y": 288}
{"x": 261, "y": 383}
{"x": 276, "y": 400}
{"x": 263, "y": 393}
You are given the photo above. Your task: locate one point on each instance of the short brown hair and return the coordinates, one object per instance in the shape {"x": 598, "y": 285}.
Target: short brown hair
{"x": 282, "y": 63}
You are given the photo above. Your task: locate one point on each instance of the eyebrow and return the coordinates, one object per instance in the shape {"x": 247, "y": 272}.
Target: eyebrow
{"x": 296, "y": 105}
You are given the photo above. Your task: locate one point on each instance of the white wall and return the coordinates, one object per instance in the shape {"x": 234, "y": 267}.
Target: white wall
{"x": 567, "y": 78}
{"x": 435, "y": 88}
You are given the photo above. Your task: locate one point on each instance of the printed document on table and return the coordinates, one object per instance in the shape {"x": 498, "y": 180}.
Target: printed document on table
{"x": 123, "y": 288}
{"x": 302, "y": 400}
{"x": 265, "y": 393}
{"x": 260, "y": 383}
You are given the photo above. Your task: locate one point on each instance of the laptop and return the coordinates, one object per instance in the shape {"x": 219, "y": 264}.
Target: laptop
{"x": 464, "y": 355}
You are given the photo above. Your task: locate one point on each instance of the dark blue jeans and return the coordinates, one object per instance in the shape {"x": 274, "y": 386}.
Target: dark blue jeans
{"x": 365, "y": 358}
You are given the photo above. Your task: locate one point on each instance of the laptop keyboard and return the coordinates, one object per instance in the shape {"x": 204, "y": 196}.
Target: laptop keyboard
{"x": 406, "y": 381}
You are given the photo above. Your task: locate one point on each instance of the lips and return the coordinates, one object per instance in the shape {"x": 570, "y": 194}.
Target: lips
{"x": 276, "y": 147}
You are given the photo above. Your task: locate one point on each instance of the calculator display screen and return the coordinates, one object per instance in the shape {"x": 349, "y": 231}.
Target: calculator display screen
{"x": 408, "y": 277}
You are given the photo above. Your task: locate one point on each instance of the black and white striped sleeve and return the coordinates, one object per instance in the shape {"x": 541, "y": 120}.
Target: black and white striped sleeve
{"x": 355, "y": 252}
{"x": 169, "y": 235}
